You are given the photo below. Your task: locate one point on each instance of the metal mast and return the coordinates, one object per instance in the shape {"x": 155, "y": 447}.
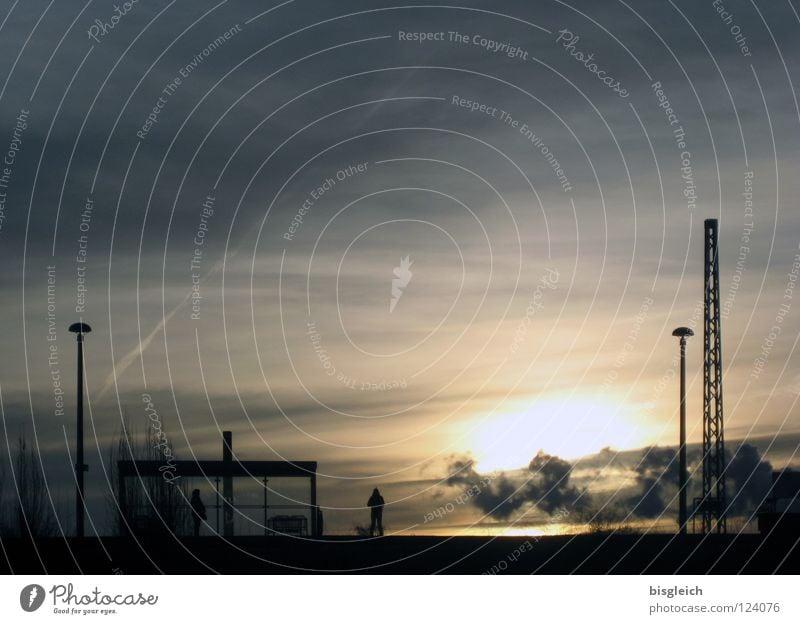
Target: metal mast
{"x": 80, "y": 502}
{"x": 712, "y": 504}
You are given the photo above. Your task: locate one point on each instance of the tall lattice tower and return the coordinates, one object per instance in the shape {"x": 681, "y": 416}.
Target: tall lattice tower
{"x": 712, "y": 503}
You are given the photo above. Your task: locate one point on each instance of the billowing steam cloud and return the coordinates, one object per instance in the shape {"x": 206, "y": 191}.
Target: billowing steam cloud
{"x": 749, "y": 479}
{"x": 548, "y": 485}
{"x": 656, "y": 477}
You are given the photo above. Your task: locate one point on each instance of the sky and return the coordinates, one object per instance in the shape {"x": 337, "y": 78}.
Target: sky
{"x": 428, "y": 247}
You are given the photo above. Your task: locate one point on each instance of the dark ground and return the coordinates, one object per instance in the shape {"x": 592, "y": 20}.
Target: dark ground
{"x": 582, "y": 554}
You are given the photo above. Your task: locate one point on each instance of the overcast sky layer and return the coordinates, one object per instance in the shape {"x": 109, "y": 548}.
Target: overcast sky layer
{"x": 227, "y": 191}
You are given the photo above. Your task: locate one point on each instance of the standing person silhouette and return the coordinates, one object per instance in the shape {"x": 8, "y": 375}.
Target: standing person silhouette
{"x": 199, "y": 511}
{"x": 375, "y": 503}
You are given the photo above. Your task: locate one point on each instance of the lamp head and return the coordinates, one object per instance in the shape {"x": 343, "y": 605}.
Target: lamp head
{"x": 80, "y": 328}
{"x": 683, "y": 332}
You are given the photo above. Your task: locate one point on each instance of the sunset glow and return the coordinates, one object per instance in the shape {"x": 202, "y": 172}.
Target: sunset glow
{"x": 509, "y": 440}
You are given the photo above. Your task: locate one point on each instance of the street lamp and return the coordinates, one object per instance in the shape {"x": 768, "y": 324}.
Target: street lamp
{"x": 80, "y": 329}
{"x": 683, "y": 333}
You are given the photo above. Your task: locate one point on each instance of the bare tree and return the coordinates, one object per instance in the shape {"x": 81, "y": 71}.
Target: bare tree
{"x": 30, "y": 511}
{"x": 607, "y": 519}
{"x": 151, "y": 505}
{"x": 3, "y": 525}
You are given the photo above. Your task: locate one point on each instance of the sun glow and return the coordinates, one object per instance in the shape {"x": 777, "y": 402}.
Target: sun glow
{"x": 569, "y": 427}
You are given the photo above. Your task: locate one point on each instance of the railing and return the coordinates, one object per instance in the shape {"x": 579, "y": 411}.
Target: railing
{"x": 144, "y": 518}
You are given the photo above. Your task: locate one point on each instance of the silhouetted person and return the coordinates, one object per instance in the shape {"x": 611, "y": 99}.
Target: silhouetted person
{"x": 375, "y": 503}
{"x": 199, "y": 511}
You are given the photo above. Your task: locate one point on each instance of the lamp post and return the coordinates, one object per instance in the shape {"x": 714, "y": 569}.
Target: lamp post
{"x": 80, "y": 329}
{"x": 683, "y": 333}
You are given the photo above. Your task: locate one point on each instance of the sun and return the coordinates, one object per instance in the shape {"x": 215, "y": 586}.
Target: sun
{"x": 566, "y": 426}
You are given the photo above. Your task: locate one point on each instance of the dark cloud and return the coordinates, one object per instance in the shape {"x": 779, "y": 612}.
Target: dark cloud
{"x": 550, "y": 486}
{"x": 656, "y": 477}
{"x": 546, "y": 485}
{"x": 748, "y": 480}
